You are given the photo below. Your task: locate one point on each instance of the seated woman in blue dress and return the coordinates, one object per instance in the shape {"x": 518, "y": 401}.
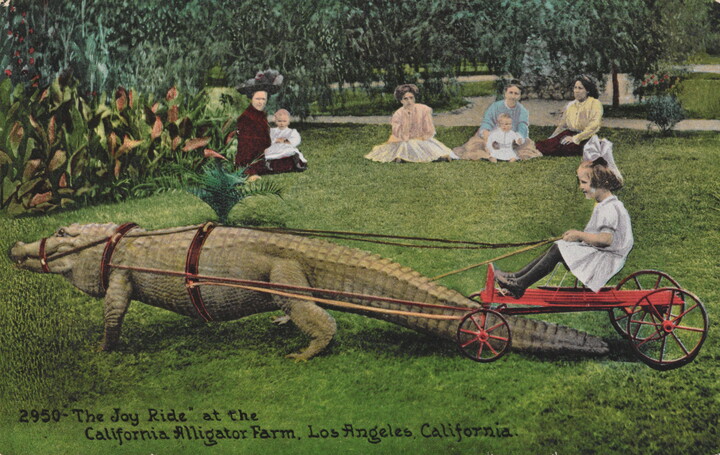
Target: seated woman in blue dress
{"x": 475, "y": 148}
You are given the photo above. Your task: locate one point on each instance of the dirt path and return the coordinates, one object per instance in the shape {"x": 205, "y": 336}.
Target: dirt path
{"x": 542, "y": 112}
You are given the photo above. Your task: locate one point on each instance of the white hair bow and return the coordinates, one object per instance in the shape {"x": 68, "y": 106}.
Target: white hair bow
{"x": 601, "y": 148}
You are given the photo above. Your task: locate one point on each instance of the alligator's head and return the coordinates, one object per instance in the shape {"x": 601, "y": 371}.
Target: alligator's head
{"x": 74, "y": 251}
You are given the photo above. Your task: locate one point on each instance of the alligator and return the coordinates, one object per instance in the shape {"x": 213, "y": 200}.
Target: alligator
{"x": 165, "y": 268}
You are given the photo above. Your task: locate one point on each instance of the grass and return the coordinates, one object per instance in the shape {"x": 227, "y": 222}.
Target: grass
{"x": 635, "y": 110}
{"x": 702, "y": 76}
{"x": 704, "y": 58}
{"x": 478, "y": 88}
{"x": 360, "y": 103}
{"x": 700, "y": 97}
{"x": 357, "y": 102}
{"x": 375, "y": 374}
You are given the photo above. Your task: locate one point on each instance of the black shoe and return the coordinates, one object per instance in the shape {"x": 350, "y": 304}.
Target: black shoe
{"x": 510, "y": 286}
{"x": 505, "y": 275}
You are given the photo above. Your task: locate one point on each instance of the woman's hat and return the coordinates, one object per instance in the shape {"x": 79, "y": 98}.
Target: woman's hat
{"x": 267, "y": 81}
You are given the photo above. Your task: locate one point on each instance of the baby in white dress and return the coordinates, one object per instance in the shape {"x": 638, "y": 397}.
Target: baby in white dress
{"x": 284, "y": 141}
{"x": 501, "y": 140}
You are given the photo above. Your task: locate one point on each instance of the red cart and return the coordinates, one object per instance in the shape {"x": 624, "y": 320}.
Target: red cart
{"x": 665, "y": 324}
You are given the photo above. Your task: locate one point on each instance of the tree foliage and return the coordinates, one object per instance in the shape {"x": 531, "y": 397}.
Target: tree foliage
{"x": 152, "y": 45}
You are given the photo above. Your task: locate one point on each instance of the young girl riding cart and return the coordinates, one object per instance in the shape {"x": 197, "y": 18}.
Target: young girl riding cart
{"x": 665, "y": 324}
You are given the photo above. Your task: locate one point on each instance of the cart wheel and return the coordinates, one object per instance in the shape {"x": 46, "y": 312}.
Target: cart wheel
{"x": 643, "y": 279}
{"x": 667, "y": 327}
{"x": 483, "y": 335}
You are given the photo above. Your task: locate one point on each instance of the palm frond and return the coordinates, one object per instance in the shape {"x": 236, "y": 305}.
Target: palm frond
{"x": 222, "y": 187}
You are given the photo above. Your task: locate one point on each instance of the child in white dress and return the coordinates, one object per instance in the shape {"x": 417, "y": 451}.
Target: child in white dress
{"x": 593, "y": 255}
{"x": 284, "y": 142}
{"x": 501, "y": 141}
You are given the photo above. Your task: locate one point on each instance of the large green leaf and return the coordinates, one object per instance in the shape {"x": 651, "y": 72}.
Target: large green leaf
{"x": 4, "y": 158}
{"x": 58, "y": 159}
{"x": 27, "y": 187}
{"x": 77, "y": 164}
{"x": 26, "y": 152}
{"x": 56, "y": 95}
{"x": 8, "y": 187}
{"x": 14, "y": 206}
{"x": 5, "y": 91}
{"x": 15, "y": 136}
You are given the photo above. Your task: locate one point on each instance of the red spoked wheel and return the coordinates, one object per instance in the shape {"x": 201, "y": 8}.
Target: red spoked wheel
{"x": 667, "y": 327}
{"x": 484, "y": 335}
{"x": 640, "y": 280}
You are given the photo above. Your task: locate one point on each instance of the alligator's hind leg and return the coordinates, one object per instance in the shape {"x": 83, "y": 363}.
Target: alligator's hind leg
{"x": 307, "y": 316}
{"x": 117, "y": 300}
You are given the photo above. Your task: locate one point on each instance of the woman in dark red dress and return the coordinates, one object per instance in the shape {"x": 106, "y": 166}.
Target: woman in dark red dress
{"x": 253, "y": 131}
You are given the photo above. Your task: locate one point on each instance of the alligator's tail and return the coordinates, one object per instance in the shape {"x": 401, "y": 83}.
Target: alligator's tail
{"x": 536, "y": 336}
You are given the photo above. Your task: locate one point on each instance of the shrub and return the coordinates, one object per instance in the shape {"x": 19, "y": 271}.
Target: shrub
{"x": 222, "y": 187}
{"x": 664, "y": 111}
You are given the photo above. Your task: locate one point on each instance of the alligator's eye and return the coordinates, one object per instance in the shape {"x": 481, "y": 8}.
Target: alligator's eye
{"x": 61, "y": 233}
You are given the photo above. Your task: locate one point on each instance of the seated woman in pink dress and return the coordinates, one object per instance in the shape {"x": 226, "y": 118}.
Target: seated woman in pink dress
{"x": 412, "y": 139}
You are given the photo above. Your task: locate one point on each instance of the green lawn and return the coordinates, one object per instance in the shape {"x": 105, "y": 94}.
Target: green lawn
{"x": 636, "y": 110}
{"x": 479, "y": 88}
{"x": 701, "y": 97}
{"x": 357, "y": 102}
{"x": 704, "y": 59}
{"x": 376, "y": 375}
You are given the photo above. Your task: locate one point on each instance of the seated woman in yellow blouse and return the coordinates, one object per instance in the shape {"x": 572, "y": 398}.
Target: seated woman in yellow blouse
{"x": 580, "y": 121}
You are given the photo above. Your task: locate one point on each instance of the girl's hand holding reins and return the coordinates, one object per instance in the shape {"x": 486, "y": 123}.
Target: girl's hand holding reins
{"x": 573, "y": 236}
{"x": 600, "y": 239}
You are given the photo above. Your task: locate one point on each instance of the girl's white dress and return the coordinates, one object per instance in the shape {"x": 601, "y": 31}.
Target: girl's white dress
{"x": 412, "y": 139}
{"x": 594, "y": 266}
{"x": 282, "y": 150}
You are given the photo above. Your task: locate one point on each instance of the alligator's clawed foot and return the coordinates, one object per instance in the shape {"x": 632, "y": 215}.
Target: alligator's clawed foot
{"x": 298, "y": 357}
{"x": 284, "y": 319}
{"x": 104, "y": 347}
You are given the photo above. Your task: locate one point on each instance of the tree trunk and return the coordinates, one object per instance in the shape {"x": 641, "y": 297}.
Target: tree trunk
{"x": 616, "y": 87}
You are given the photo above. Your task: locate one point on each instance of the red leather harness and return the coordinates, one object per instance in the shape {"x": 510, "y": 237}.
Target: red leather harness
{"x": 109, "y": 249}
{"x": 191, "y": 262}
{"x": 110, "y": 244}
{"x": 191, "y": 269}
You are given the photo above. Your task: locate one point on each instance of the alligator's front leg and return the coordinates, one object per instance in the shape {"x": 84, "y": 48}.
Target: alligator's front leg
{"x": 117, "y": 300}
{"x": 312, "y": 320}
